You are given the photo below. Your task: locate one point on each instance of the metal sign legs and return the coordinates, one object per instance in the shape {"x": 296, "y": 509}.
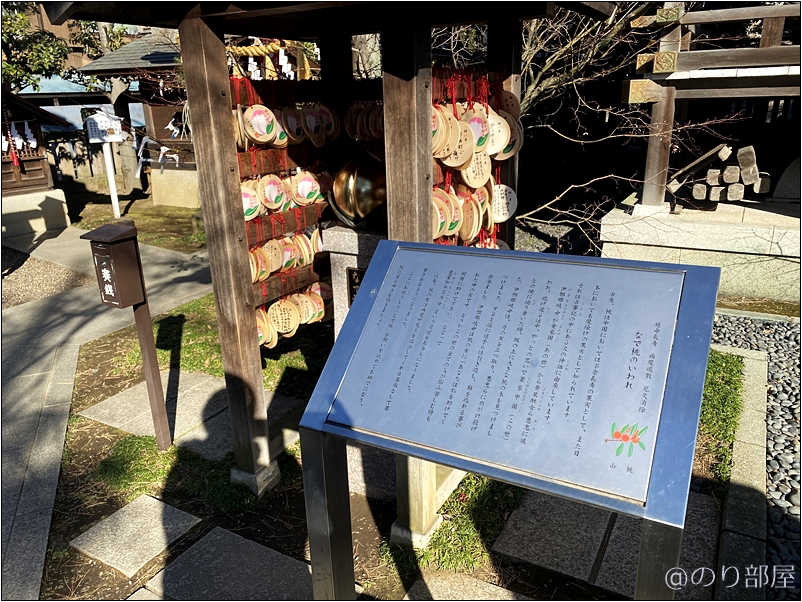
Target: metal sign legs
{"x": 328, "y": 515}
{"x": 328, "y": 518}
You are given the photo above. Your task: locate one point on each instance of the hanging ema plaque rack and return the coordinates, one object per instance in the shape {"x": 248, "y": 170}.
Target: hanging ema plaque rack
{"x": 577, "y": 377}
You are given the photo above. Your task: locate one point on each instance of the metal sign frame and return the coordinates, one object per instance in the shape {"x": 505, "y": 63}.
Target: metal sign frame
{"x": 325, "y": 471}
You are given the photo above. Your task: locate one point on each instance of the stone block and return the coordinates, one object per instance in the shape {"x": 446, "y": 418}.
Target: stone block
{"x": 175, "y": 187}
{"x": 131, "y": 537}
{"x": 786, "y": 242}
{"x": 260, "y": 482}
{"x": 554, "y": 533}
{"x": 750, "y": 471}
{"x": 780, "y": 215}
{"x": 745, "y": 510}
{"x": 752, "y": 427}
{"x": 225, "y": 566}
{"x": 34, "y": 212}
{"x": 371, "y": 471}
{"x": 685, "y": 232}
{"x": 740, "y": 552}
{"x": 348, "y": 249}
{"x": 744, "y": 275}
{"x": 619, "y": 568}
{"x": 440, "y": 585}
{"x": 789, "y": 185}
{"x": 640, "y": 252}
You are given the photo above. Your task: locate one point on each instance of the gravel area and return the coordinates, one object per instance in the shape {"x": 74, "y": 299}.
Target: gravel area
{"x": 780, "y": 339}
{"x": 27, "y": 279}
{"x": 540, "y": 238}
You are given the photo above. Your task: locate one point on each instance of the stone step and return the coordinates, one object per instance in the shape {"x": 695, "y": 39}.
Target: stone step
{"x": 226, "y": 566}
{"x": 135, "y": 534}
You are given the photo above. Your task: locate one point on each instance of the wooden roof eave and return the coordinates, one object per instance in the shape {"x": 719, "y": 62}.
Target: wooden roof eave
{"x": 44, "y": 116}
{"x": 300, "y": 20}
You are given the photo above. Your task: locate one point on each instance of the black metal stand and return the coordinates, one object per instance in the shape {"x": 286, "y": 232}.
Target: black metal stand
{"x": 328, "y": 515}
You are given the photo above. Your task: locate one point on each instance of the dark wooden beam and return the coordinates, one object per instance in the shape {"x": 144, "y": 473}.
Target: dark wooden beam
{"x": 288, "y": 8}
{"x": 740, "y": 14}
{"x": 595, "y": 10}
{"x": 504, "y": 55}
{"x": 407, "y": 84}
{"x": 59, "y": 12}
{"x": 659, "y": 149}
{"x": 208, "y": 92}
{"x": 737, "y": 57}
{"x": 770, "y": 92}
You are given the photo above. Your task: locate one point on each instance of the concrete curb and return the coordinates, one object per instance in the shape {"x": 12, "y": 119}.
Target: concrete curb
{"x": 742, "y": 541}
{"x": 759, "y": 316}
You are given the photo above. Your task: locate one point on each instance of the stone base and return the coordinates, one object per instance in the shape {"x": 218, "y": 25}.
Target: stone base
{"x": 756, "y": 245}
{"x": 348, "y": 249}
{"x": 175, "y": 188}
{"x": 403, "y": 536}
{"x": 264, "y": 480}
{"x": 34, "y": 212}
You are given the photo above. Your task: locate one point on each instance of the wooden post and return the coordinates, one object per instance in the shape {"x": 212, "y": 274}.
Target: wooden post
{"x": 206, "y": 72}
{"x": 505, "y": 40}
{"x": 407, "y": 88}
{"x": 407, "y": 84}
{"x": 659, "y": 149}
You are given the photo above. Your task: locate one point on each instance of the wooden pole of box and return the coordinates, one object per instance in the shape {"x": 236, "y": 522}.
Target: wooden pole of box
{"x": 206, "y": 71}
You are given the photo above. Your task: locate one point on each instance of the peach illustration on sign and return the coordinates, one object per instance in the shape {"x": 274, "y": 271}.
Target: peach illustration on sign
{"x": 626, "y": 434}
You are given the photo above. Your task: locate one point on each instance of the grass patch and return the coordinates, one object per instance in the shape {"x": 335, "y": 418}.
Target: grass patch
{"x": 762, "y": 306}
{"x": 160, "y": 226}
{"x": 722, "y": 404}
{"x": 188, "y": 338}
{"x": 136, "y": 467}
{"x": 473, "y": 517}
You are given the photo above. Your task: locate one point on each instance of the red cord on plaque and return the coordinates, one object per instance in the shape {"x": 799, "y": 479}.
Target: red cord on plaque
{"x": 483, "y": 89}
{"x": 12, "y": 148}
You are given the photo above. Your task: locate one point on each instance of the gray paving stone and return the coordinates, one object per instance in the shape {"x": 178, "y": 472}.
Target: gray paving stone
{"x": 619, "y": 567}
{"x": 41, "y": 476}
{"x": 135, "y": 534}
{"x": 193, "y": 406}
{"x": 745, "y": 511}
{"x": 226, "y": 566}
{"x": 752, "y": 427}
{"x": 439, "y": 585}
{"x": 554, "y": 533}
{"x": 143, "y": 594}
{"x": 22, "y": 552}
{"x": 212, "y": 439}
{"x": 198, "y": 396}
{"x": 740, "y": 552}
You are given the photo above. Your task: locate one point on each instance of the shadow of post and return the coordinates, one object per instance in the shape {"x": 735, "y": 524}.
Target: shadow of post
{"x": 170, "y": 333}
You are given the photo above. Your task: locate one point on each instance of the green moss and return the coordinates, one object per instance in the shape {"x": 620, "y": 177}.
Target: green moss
{"x": 722, "y": 405}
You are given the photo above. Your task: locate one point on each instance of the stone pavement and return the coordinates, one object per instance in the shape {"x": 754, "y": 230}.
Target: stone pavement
{"x": 40, "y": 343}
